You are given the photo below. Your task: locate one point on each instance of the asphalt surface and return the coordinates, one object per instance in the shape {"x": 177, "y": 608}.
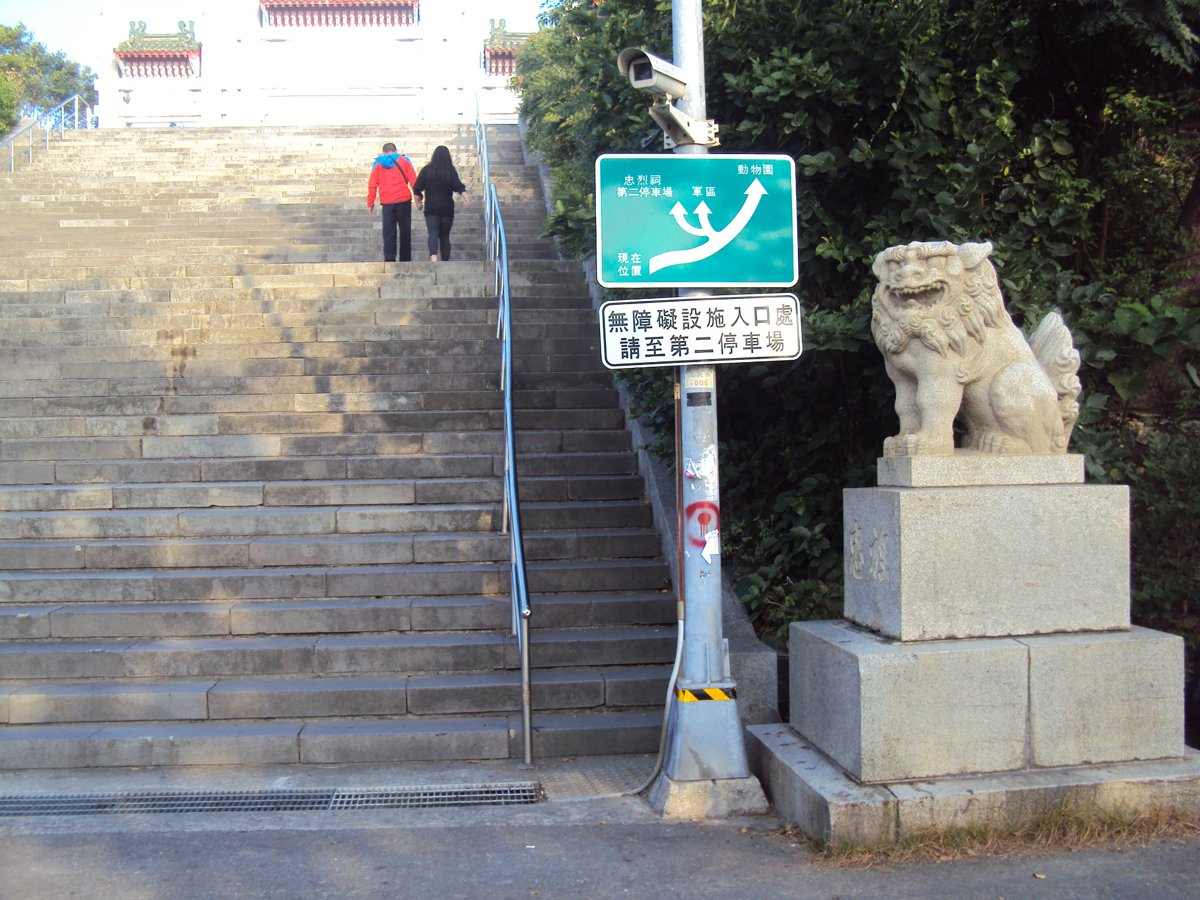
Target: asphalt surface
{"x": 584, "y": 840}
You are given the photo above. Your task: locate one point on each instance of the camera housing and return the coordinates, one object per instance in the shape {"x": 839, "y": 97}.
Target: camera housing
{"x": 666, "y": 82}
{"x": 649, "y": 73}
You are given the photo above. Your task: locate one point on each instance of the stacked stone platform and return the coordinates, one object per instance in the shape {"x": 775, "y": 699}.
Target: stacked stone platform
{"x": 987, "y": 668}
{"x": 250, "y": 492}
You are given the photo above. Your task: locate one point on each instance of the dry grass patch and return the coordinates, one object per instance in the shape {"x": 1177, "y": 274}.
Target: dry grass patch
{"x": 1063, "y": 829}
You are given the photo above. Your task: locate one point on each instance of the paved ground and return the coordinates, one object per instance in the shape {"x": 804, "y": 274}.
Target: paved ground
{"x": 584, "y": 840}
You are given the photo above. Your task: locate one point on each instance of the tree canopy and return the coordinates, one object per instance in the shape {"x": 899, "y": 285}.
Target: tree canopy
{"x": 1066, "y": 132}
{"x": 32, "y": 78}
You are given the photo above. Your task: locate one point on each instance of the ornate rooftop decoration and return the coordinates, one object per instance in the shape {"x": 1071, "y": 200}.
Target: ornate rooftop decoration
{"x": 339, "y": 13}
{"x": 501, "y": 48}
{"x": 501, "y": 38}
{"x": 144, "y": 55}
{"x": 139, "y": 42}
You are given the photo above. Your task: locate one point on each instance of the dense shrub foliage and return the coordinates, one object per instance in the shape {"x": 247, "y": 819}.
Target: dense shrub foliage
{"x": 1066, "y": 132}
{"x": 9, "y": 104}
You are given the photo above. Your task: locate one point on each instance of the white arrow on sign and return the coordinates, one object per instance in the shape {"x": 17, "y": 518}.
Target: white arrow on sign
{"x": 716, "y": 239}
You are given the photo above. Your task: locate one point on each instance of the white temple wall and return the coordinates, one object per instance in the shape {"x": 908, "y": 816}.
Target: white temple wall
{"x": 250, "y": 75}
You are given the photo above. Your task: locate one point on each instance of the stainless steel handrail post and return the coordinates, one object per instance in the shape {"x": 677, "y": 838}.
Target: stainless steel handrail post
{"x": 497, "y": 252}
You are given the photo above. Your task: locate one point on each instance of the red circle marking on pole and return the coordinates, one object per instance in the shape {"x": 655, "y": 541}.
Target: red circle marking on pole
{"x": 700, "y": 518}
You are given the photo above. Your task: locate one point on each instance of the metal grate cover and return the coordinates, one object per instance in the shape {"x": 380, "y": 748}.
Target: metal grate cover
{"x": 282, "y": 800}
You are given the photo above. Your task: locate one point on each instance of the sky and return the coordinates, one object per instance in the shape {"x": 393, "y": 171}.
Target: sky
{"x": 87, "y": 30}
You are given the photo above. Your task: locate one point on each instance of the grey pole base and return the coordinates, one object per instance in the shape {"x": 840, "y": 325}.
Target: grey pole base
{"x": 721, "y": 798}
{"x": 706, "y": 774}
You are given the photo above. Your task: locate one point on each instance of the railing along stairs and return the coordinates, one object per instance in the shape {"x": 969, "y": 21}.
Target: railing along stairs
{"x": 74, "y": 112}
{"x": 497, "y": 253}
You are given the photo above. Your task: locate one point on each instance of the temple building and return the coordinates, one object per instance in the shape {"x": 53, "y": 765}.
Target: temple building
{"x": 500, "y": 50}
{"x": 145, "y": 55}
{"x": 296, "y": 62}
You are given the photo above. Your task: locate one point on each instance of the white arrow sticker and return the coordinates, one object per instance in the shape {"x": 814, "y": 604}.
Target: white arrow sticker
{"x": 717, "y": 240}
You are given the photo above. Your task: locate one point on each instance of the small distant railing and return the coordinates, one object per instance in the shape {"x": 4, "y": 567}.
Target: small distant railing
{"x": 72, "y": 113}
{"x": 497, "y": 252}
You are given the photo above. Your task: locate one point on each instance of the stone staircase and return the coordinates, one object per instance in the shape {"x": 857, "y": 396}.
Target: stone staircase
{"x": 250, "y": 494}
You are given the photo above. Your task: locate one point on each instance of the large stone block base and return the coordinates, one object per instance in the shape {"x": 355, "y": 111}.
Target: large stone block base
{"x": 887, "y": 710}
{"x": 809, "y": 790}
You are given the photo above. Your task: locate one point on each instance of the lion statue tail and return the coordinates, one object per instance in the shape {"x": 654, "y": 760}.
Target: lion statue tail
{"x": 1054, "y": 349}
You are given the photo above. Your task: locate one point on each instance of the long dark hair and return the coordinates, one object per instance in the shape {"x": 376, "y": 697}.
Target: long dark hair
{"x": 441, "y": 166}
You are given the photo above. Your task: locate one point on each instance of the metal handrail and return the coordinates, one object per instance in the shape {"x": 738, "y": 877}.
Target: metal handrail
{"x": 58, "y": 119}
{"x": 497, "y": 252}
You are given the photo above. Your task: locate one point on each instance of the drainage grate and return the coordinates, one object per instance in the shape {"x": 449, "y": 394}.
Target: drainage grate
{"x": 300, "y": 800}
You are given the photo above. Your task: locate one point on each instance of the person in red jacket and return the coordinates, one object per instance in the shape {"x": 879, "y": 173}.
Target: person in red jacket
{"x": 391, "y": 178}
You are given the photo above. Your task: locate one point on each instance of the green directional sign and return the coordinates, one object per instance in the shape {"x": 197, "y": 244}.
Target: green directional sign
{"x": 711, "y": 220}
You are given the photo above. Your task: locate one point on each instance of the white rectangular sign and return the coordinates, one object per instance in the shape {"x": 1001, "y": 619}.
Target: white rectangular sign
{"x": 700, "y": 330}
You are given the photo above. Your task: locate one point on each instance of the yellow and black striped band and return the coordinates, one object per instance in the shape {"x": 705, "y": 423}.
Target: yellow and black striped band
{"x": 694, "y": 695}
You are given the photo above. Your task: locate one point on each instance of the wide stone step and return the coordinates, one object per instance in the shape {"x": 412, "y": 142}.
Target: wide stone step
{"x": 204, "y": 297}
{"x": 401, "y": 515}
{"x": 199, "y": 396}
{"x": 331, "y": 468}
{"x": 237, "y": 424}
{"x": 92, "y": 269}
{"x": 331, "y": 654}
{"x": 248, "y": 450}
{"x": 228, "y": 618}
{"x": 103, "y": 239}
{"x": 213, "y": 322}
{"x": 150, "y": 235}
{"x": 58, "y": 281}
{"x": 434, "y": 488}
{"x": 35, "y": 405}
{"x": 255, "y": 656}
{"x": 79, "y": 365}
{"x": 73, "y": 555}
{"x": 289, "y": 741}
{"x": 328, "y": 582}
{"x": 315, "y": 358}
{"x": 199, "y": 341}
{"x": 23, "y": 402}
{"x": 271, "y": 306}
{"x": 342, "y": 696}
{"x": 216, "y": 426}
{"x": 256, "y": 446}
{"x": 531, "y": 464}
{"x": 204, "y": 331}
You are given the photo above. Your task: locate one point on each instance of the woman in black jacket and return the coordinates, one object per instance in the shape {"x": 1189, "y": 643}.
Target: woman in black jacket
{"x": 435, "y": 188}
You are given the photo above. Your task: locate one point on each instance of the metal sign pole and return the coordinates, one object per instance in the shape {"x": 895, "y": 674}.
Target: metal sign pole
{"x": 705, "y": 771}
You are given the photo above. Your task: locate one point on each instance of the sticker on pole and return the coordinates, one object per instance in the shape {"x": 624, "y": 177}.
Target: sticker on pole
{"x": 705, "y": 220}
{"x": 734, "y": 328}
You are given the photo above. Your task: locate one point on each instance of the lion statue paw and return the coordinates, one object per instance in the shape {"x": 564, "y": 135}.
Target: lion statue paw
{"x": 915, "y": 445}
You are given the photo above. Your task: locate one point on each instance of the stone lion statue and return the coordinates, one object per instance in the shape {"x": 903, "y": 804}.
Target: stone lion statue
{"x": 952, "y": 352}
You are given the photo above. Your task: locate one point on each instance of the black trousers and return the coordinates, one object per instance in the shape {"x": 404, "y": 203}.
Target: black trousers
{"x": 397, "y": 216}
{"x": 439, "y": 234}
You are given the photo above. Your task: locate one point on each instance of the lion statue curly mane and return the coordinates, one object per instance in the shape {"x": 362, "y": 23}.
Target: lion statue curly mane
{"x": 952, "y": 352}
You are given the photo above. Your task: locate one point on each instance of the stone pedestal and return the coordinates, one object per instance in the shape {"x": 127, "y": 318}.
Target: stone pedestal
{"x": 987, "y": 636}
{"x": 973, "y": 545}
{"x": 924, "y": 709}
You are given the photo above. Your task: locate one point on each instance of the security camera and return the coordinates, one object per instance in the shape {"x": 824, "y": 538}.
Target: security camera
{"x": 666, "y": 82}
{"x": 647, "y": 72}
